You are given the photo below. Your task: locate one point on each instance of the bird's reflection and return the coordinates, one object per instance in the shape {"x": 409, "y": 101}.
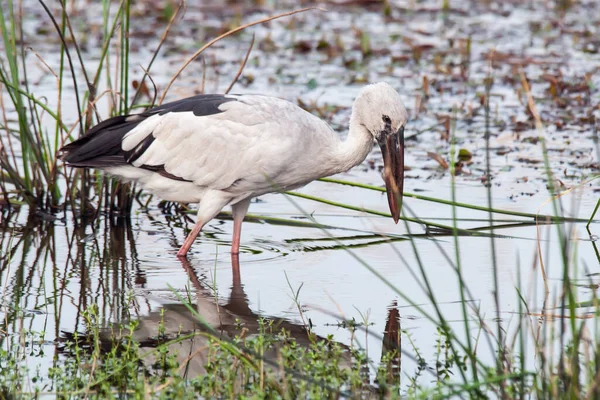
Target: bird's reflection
{"x": 176, "y": 320}
{"x": 236, "y": 312}
{"x": 234, "y": 318}
{"x": 238, "y": 301}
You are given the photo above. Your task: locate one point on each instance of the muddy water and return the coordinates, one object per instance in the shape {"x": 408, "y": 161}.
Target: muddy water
{"x": 56, "y": 271}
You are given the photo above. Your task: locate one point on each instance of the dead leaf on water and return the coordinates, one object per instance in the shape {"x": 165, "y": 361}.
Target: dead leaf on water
{"x": 440, "y": 160}
{"x": 527, "y": 160}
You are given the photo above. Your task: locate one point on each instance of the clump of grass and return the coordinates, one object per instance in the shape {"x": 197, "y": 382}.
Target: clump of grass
{"x": 26, "y": 137}
{"x": 31, "y": 171}
{"x": 106, "y": 362}
{"x": 98, "y": 367}
{"x": 101, "y": 366}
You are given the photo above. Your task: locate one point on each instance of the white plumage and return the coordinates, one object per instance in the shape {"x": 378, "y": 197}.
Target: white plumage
{"x": 220, "y": 150}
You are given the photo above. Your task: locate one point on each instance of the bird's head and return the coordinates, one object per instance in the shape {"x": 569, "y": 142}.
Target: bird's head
{"x": 380, "y": 110}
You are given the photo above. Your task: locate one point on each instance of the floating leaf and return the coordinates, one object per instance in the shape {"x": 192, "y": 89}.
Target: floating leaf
{"x": 323, "y": 45}
{"x": 464, "y": 155}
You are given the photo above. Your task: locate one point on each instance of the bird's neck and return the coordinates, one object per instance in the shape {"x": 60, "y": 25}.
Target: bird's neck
{"x": 356, "y": 147}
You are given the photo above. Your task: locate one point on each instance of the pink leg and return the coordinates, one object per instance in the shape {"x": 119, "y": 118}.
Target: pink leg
{"x": 209, "y": 207}
{"x": 237, "y": 233}
{"x": 190, "y": 239}
{"x": 239, "y": 211}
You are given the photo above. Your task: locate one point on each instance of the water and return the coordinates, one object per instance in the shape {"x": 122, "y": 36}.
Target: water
{"x": 53, "y": 271}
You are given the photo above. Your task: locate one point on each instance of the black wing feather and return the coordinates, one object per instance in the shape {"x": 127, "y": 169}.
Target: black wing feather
{"x": 135, "y": 153}
{"x": 101, "y": 146}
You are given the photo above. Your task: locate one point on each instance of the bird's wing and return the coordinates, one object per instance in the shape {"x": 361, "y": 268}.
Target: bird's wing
{"x": 218, "y": 142}
{"x": 248, "y": 142}
{"x": 101, "y": 146}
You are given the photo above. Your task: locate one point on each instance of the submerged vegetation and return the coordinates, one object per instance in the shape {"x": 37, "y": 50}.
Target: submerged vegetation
{"x": 199, "y": 344}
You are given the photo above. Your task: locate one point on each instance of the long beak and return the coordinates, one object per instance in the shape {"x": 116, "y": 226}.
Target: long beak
{"x": 392, "y": 148}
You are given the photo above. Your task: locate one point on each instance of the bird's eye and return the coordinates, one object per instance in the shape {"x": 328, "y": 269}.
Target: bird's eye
{"x": 387, "y": 119}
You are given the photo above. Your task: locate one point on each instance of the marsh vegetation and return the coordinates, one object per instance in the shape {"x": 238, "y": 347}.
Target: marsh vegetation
{"x": 487, "y": 288}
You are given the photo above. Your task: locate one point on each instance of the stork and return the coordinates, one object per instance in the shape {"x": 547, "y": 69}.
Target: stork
{"x": 219, "y": 150}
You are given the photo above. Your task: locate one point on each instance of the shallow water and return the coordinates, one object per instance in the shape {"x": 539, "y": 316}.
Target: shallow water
{"x": 53, "y": 271}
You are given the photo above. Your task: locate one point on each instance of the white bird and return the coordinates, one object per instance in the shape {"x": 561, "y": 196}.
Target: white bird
{"x": 219, "y": 150}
